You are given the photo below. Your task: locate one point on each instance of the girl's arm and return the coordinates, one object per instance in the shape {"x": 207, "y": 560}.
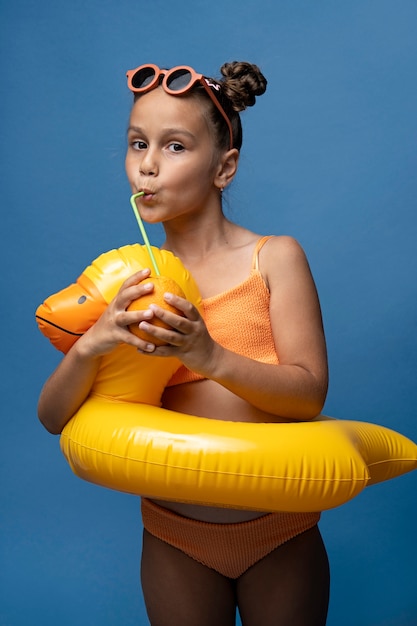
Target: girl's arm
{"x": 67, "y": 388}
{"x": 297, "y": 387}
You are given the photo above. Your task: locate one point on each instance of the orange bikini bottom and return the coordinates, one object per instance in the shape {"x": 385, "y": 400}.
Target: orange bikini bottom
{"x": 230, "y": 549}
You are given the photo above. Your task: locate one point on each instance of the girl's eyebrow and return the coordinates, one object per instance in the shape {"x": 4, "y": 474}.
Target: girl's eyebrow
{"x": 134, "y": 129}
{"x": 165, "y": 131}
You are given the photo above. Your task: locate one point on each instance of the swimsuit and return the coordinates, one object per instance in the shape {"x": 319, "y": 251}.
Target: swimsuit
{"x": 248, "y": 302}
{"x": 231, "y": 549}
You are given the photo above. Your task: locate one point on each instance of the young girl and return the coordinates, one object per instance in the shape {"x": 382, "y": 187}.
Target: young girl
{"x": 258, "y": 354}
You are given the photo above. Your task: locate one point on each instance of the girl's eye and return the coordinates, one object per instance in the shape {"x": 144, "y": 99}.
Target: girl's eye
{"x": 175, "y": 147}
{"x": 137, "y": 144}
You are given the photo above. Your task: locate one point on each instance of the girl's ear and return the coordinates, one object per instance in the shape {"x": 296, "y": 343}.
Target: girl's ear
{"x": 226, "y": 168}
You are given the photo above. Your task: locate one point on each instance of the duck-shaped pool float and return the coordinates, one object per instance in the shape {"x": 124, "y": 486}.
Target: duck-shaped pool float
{"x": 122, "y": 439}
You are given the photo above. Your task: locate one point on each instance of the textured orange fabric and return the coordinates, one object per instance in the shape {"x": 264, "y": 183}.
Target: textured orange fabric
{"x": 230, "y": 549}
{"x": 251, "y": 335}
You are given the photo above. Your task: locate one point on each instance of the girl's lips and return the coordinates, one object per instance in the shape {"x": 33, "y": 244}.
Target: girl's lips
{"x": 147, "y": 194}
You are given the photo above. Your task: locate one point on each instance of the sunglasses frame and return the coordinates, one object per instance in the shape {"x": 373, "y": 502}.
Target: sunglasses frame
{"x": 195, "y": 77}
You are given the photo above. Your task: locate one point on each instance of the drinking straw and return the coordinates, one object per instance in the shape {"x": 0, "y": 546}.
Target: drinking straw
{"x": 142, "y": 230}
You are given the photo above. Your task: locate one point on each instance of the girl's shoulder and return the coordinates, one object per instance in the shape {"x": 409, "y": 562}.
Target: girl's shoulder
{"x": 281, "y": 247}
{"x": 281, "y": 258}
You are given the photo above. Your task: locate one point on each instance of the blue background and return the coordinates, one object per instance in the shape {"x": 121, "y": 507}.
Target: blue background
{"x": 329, "y": 156}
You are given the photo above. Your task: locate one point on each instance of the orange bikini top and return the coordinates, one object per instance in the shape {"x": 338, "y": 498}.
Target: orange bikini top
{"x": 239, "y": 320}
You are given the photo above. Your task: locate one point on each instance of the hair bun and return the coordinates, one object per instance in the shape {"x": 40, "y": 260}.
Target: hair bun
{"x": 242, "y": 82}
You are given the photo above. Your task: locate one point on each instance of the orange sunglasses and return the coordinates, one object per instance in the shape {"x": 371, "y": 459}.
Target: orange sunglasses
{"x": 176, "y": 81}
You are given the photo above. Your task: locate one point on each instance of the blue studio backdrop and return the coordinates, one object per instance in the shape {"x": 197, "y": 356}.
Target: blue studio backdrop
{"x": 329, "y": 157}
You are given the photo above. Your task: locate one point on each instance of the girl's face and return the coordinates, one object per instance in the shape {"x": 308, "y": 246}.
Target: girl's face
{"x": 171, "y": 157}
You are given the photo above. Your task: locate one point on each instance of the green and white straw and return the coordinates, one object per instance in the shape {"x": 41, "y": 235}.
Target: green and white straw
{"x": 143, "y": 231}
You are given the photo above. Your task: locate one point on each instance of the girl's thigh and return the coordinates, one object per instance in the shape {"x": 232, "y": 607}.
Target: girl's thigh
{"x": 179, "y": 591}
{"x": 288, "y": 587}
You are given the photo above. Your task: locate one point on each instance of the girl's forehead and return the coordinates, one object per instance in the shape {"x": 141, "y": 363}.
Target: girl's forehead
{"x": 157, "y": 111}
{"x": 158, "y": 103}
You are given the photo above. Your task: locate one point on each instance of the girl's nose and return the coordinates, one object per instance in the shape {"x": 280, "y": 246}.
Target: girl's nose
{"x": 149, "y": 165}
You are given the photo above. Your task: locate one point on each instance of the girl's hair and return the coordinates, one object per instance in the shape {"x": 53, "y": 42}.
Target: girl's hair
{"x": 240, "y": 85}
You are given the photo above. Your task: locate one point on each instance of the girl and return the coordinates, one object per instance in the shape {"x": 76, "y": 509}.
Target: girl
{"x": 258, "y": 355}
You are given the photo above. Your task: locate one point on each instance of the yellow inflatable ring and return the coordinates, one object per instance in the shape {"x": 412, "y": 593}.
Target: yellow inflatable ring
{"x": 121, "y": 439}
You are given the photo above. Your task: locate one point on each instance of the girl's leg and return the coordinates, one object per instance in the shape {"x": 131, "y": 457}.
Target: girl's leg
{"x": 179, "y": 591}
{"x": 288, "y": 587}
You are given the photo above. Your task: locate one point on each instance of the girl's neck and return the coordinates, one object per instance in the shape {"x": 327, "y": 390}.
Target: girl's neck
{"x": 199, "y": 238}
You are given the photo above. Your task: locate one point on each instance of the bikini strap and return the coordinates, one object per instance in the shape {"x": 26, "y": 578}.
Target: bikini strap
{"x": 259, "y": 245}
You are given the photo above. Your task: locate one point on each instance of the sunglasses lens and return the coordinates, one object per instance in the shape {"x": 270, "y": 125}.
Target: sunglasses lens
{"x": 178, "y": 79}
{"x": 142, "y": 78}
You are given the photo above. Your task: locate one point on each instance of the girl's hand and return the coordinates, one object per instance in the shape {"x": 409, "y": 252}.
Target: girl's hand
{"x": 111, "y": 329}
{"x": 187, "y": 338}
